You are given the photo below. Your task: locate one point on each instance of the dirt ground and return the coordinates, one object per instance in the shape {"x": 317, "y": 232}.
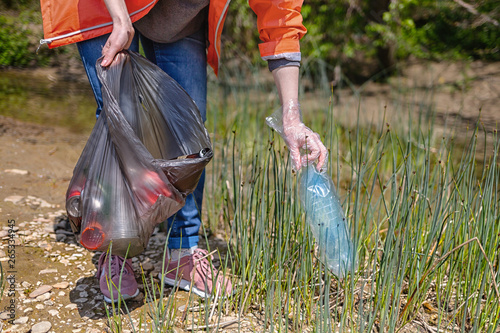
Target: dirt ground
{"x": 37, "y": 162}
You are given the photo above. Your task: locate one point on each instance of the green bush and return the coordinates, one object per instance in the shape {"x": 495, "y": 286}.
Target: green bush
{"x": 14, "y": 44}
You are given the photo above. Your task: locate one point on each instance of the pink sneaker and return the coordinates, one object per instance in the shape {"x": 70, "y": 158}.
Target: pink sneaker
{"x": 196, "y": 270}
{"x": 127, "y": 285}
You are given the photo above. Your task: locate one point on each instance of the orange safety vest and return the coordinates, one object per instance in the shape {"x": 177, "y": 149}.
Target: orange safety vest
{"x": 279, "y": 23}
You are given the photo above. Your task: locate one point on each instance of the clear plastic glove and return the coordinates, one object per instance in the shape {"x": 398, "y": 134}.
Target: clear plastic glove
{"x": 305, "y": 146}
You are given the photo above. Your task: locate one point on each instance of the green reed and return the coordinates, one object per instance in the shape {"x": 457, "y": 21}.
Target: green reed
{"x": 425, "y": 226}
{"x": 423, "y": 212}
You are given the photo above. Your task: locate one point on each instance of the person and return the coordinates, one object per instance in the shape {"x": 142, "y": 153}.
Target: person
{"x": 173, "y": 36}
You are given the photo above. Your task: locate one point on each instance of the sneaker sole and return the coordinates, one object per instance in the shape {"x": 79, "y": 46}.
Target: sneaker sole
{"x": 123, "y": 297}
{"x": 184, "y": 285}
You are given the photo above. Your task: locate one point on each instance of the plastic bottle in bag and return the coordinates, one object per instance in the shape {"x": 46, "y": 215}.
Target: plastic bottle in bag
{"x": 327, "y": 221}
{"x": 74, "y": 209}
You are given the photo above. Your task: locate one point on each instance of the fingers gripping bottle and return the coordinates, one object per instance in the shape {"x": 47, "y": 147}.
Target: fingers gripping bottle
{"x": 327, "y": 221}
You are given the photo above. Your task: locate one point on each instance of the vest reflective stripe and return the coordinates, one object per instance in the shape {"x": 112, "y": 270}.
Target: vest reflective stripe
{"x": 71, "y": 21}
{"x": 134, "y": 15}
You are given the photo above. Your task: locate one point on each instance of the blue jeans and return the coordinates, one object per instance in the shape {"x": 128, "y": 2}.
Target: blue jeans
{"x": 185, "y": 61}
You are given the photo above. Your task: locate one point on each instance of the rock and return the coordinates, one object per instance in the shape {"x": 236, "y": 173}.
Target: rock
{"x": 28, "y": 310}
{"x": 61, "y": 285}
{"x": 64, "y": 232}
{"x": 16, "y": 172}
{"x": 71, "y": 306}
{"x": 147, "y": 266}
{"x": 19, "y": 329}
{"x": 25, "y": 284}
{"x": 40, "y": 306}
{"x": 40, "y": 291}
{"x": 61, "y": 238}
{"x": 81, "y": 287}
{"x": 43, "y": 297}
{"x": 15, "y": 199}
{"x": 48, "y": 271}
{"x": 81, "y": 300}
{"x": 93, "y": 330}
{"x": 41, "y": 327}
{"x": 21, "y": 320}
{"x": 53, "y": 312}
{"x": 4, "y": 315}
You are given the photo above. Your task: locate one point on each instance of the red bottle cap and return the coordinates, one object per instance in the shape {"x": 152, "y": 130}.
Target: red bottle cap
{"x": 92, "y": 236}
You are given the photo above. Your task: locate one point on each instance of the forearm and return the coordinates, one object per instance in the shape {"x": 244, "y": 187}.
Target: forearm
{"x": 286, "y": 79}
{"x": 118, "y": 11}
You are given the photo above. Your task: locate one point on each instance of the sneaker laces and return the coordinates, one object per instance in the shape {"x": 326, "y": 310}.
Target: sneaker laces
{"x": 114, "y": 267}
{"x": 200, "y": 260}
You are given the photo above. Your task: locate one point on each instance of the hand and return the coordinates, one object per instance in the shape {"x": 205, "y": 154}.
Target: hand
{"x": 299, "y": 137}
{"x": 120, "y": 39}
{"x": 123, "y": 32}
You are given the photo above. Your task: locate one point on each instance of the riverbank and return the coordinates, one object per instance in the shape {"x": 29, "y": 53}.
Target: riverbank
{"x": 54, "y": 277}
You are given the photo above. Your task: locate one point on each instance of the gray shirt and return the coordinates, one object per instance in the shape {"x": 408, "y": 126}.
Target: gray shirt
{"x": 171, "y": 20}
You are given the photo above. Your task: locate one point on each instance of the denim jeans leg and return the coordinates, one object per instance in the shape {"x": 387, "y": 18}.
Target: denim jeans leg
{"x": 91, "y": 50}
{"x": 185, "y": 61}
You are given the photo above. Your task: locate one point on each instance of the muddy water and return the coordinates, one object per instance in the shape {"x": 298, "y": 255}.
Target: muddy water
{"x": 41, "y": 97}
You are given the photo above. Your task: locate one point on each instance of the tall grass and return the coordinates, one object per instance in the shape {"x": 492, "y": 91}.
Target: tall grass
{"x": 424, "y": 216}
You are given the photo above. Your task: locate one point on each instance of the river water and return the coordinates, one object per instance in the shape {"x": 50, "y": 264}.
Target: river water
{"x": 39, "y": 97}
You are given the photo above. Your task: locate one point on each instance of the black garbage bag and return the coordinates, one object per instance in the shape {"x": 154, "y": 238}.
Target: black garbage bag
{"x": 145, "y": 154}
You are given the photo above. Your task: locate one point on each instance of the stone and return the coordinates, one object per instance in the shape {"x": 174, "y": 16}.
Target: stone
{"x": 4, "y": 315}
{"x": 21, "y": 320}
{"x": 53, "y": 312}
{"x": 28, "y": 310}
{"x": 41, "y": 290}
{"x": 93, "y": 330}
{"x": 61, "y": 285}
{"x": 15, "y": 199}
{"x": 43, "y": 297}
{"x": 40, "y": 306}
{"x": 48, "y": 271}
{"x": 19, "y": 328}
{"x": 16, "y": 172}
{"x": 81, "y": 300}
{"x": 41, "y": 327}
{"x": 25, "y": 284}
{"x": 71, "y": 306}
{"x": 147, "y": 266}
{"x": 81, "y": 287}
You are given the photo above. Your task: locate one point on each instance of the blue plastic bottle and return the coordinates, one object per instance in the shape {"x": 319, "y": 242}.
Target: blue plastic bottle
{"x": 327, "y": 221}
